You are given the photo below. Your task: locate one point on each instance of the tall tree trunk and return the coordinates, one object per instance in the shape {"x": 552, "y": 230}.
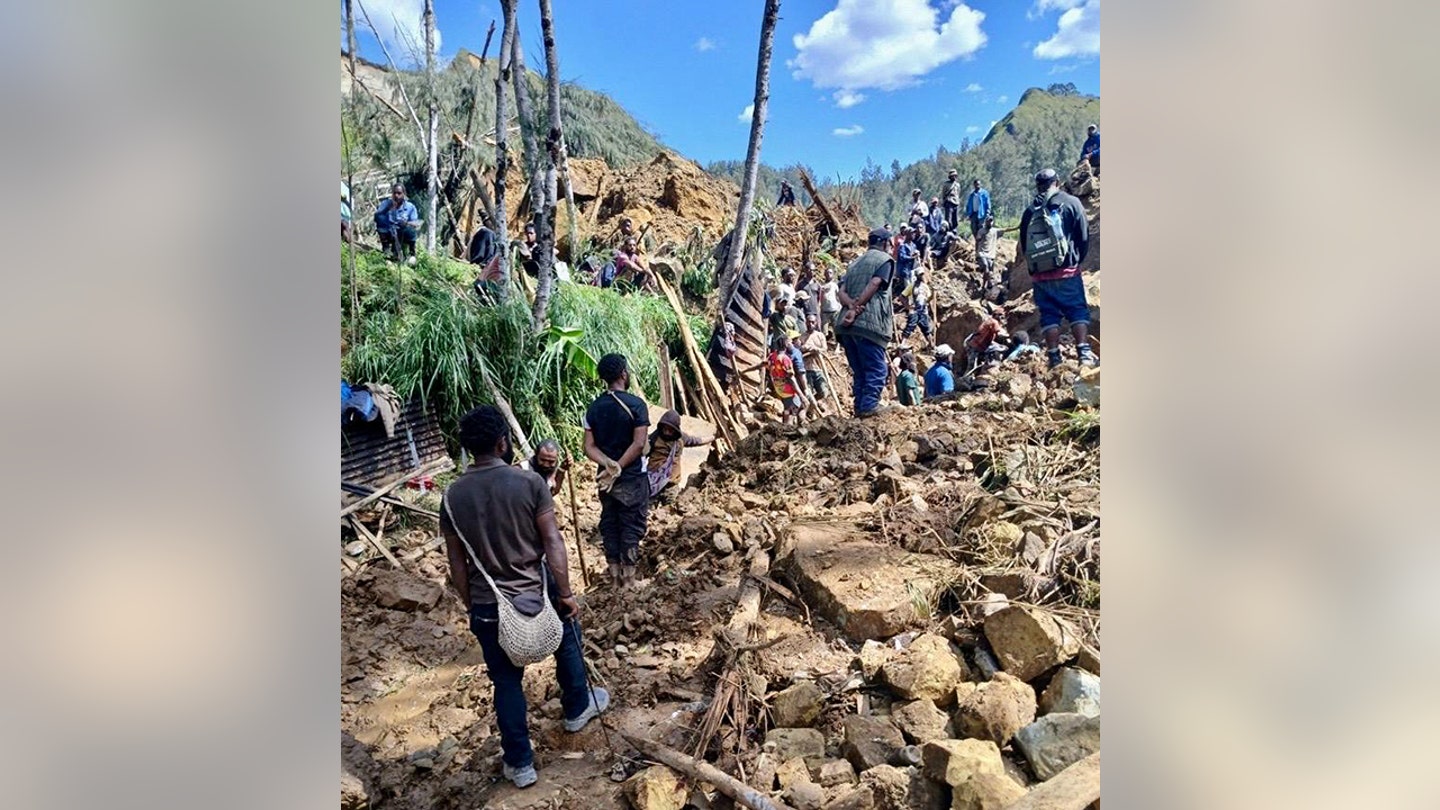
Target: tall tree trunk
{"x": 527, "y": 121}
{"x": 736, "y": 254}
{"x": 557, "y": 131}
{"x": 432, "y": 146}
{"x": 502, "y": 151}
{"x": 350, "y": 180}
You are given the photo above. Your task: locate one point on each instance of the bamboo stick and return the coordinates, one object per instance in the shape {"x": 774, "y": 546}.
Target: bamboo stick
{"x": 704, "y": 771}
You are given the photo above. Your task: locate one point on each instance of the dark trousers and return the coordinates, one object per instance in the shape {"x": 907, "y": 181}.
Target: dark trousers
{"x": 975, "y": 227}
{"x": 621, "y": 529}
{"x": 396, "y": 241}
{"x": 919, "y": 316}
{"x": 869, "y": 367}
{"x": 510, "y": 705}
{"x": 952, "y": 215}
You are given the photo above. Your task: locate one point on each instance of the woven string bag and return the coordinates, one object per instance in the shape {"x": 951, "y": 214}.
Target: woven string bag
{"x": 525, "y": 639}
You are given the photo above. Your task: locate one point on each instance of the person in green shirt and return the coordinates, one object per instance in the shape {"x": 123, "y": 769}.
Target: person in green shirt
{"x": 907, "y": 386}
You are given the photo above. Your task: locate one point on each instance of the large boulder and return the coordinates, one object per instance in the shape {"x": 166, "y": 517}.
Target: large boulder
{"x": 1028, "y": 642}
{"x": 870, "y": 741}
{"x": 985, "y": 791}
{"x": 398, "y": 590}
{"x": 996, "y": 709}
{"x": 954, "y": 761}
{"x": 927, "y": 669}
{"x": 858, "y": 798}
{"x": 797, "y": 706}
{"x": 866, "y": 589}
{"x": 921, "y": 721}
{"x": 833, "y": 772}
{"x": 1056, "y": 741}
{"x": 655, "y": 788}
{"x": 790, "y": 743}
{"x": 1072, "y": 690}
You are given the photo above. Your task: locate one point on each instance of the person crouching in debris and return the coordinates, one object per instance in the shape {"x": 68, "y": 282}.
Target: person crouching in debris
{"x": 630, "y": 267}
{"x": 662, "y": 462}
{"x": 940, "y": 377}
{"x": 398, "y": 223}
{"x": 502, "y": 518}
{"x": 547, "y": 464}
{"x": 1020, "y": 346}
{"x": 907, "y": 387}
{"x": 615, "y": 426}
{"x": 982, "y": 347}
{"x": 867, "y": 324}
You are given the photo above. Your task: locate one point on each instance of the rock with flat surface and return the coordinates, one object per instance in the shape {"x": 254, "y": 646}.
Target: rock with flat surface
{"x": 996, "y": 709}
{"x": 870, "y": 741}
{"x": 1075, "y": 788}
{"x": 792, "y": 771}
{"x": 873, "y": 655}
{"x": 1029, "y": 642}
{"x": 866, "y": 589}
{"x": 927, "y": 669}
{"x": 954, "y": 761}
{"x": 805, "y": 796}
{"x": 1057, "y": 741}
{"x": 790, "y": 743}
{"x": 860, "y": 798}
{"x": 1072, "y": 690}
{"x": 985, "y": 791}
{"x": 797, "y": 706}
{"x": 398, "y": 590}
{"x": 921, "y": 721}
{"x": 833, "y": 772}
{"x": 655, "y": 788}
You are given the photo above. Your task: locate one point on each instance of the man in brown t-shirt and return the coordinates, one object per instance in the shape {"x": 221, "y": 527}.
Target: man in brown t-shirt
{"x": 502, "y": 518}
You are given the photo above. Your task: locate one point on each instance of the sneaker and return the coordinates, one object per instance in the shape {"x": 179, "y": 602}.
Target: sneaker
{"x": 1088, "y": 358}
{"x": 520, "y": 777}
{"x": 599, "y": 702}
{"x": 1052, "y": 358}
{"x": 410, "y": 262}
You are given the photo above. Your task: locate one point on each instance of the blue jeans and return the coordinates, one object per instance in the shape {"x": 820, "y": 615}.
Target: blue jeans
{"x": 919, "y": 316}
{"x": 510, "y": 705}
{"x": 1063, "y": 298}
{"x": 869, "y": 367}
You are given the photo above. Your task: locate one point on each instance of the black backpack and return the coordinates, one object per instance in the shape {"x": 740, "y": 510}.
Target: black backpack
{"x": 1045, "y": 243}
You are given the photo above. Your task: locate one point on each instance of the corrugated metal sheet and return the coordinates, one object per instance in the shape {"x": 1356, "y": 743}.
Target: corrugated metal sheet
{"x": 370, "y": 459}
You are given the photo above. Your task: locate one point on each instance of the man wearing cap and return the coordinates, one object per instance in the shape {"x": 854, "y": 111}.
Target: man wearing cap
{"x": 867, "y": 322}
{"x": 950, "y": 193}
{"x": 1091, "y": 150}
{"x": 940, "y": 377}
{"x": 977, "y": 207}
{"x": 918, "y": 209}
{"x": 1059, "y": 290}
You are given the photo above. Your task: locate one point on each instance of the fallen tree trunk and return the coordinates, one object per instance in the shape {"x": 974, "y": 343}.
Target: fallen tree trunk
{"x": 820, "y": 203}
{"x": 705, "y": 772}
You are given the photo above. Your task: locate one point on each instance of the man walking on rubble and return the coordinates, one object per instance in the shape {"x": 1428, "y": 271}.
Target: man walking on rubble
{"x": 950, "y": 193}
{"x": 867, "y": 323}
{"x": 1055, "y": 238}
{"x": 502, "y": 517}
{"x": 615, "y": 426}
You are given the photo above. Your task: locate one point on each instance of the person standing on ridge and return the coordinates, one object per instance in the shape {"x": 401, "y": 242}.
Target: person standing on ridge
{"x": 867, "y": 322}
{"x": 615, "y": 426}
{"x": 950, "y": 193}
{"x": 1054, "y": 239}
{"x": 977, "y": 207}
{"x": 1091, "y": 150}
{"x": 787, "y": 194}
{"x": 506, "y": 517}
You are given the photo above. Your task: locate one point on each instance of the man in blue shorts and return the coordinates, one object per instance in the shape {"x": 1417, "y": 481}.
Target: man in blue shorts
{"x": 1055, "y": 221}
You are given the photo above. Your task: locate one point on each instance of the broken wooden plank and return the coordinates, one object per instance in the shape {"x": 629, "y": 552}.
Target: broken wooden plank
{"x": 440, "y": 465}
{"x": 373, "y": 540}
{"x": 820, "y": 203}
{"x": 705, "y": 772}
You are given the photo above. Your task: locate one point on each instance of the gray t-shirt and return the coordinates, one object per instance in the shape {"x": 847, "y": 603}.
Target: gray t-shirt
{"x": 495, "y": 509}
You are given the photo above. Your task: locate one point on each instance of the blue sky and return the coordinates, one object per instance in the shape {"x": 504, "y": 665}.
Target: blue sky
{"x": 850, "y": 79}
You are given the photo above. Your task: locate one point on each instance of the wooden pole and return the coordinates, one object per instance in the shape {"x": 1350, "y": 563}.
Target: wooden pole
{"x": 704, "y": 771}
{"x": 830, "y": 378}
{"x": 575, "y": 524}
{"x": 374, "y": 541}
{"x": 677, "y": 381}
{"x": 709, "y": 387}
{"x": 504, "y": 405}
{"x": 667, "y": 396}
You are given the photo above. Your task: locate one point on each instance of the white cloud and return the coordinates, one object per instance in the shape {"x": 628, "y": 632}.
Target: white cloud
{"x": 704, "y": 44}
{"x": 1041, "y": 6}
{"x": 845, "y": 99}
{"x": 846, "y": 132}
{"x": 400, "y": 27}
{"x": 1002, "y": 99}
{"x": 883, "y": 44}
{"x": 747, "y": 113}
{"x": 1077, "y": 34}
{"x": 972, "y": 87}
{"x": 1058, "y": 69}
{"x": 971, "y": 130}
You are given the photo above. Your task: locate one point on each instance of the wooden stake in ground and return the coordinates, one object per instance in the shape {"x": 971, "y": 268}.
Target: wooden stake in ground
{"x": 730, "y": 274}
{"x": 705, "y": 772}
{"x": 710, "y": 389}
{"x": 575, "y": 527}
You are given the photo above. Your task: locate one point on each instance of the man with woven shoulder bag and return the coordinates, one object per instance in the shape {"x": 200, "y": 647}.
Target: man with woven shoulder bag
{"x": 615, "y": 427}
{"x": 500, "y": 533}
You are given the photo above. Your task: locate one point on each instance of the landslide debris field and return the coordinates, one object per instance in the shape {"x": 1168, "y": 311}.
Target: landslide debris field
{"x": 925, "y": 632}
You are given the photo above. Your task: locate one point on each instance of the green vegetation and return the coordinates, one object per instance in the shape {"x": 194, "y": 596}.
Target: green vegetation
{"x": 424, "y": 331}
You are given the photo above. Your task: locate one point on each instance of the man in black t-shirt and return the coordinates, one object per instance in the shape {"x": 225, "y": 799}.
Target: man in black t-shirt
{"x": 615, "y": 426}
